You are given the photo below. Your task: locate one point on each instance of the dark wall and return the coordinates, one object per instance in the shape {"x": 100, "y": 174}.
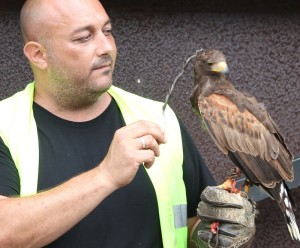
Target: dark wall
{"x": 260, "y": 38}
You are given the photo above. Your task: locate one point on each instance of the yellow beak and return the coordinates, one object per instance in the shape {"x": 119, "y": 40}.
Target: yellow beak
{"x": 220, "y": 67}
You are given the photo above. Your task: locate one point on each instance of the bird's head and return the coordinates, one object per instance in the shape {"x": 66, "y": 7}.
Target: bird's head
{"x": 210, "y": 62}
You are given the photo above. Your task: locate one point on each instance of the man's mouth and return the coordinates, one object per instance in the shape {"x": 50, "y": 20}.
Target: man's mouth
{"x": 103, "y": 68}
{"x": 105, "y": 63}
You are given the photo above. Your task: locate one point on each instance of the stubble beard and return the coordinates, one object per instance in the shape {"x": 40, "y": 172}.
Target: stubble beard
{"x": 70, "y": 93}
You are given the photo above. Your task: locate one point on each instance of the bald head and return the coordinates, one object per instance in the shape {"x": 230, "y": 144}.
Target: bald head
{"x": 39, "y": 17}
{"x": 26, "y": 19}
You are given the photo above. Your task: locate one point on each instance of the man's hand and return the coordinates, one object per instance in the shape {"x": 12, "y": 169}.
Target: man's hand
{"x": 226, "y": 220}
{"x": 132, "y": 145}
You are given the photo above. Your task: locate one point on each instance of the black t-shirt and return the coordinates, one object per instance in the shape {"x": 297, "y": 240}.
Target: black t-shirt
{"x": 126, "y": 218}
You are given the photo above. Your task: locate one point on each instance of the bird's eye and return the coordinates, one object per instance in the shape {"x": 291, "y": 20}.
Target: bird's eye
{"x": 210, "y": 64}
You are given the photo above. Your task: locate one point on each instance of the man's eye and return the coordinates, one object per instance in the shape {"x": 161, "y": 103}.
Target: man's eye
{"x": 84, "y": 38}
{"x": 107, "y": 32}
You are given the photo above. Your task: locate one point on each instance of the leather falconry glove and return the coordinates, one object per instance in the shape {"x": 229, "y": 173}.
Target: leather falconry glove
{"x": 226, "y": 220}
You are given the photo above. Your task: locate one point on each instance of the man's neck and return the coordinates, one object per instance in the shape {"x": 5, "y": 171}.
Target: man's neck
{"x": 85, "y": 113}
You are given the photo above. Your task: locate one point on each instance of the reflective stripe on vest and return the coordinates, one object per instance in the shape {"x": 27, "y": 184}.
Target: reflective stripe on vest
{"x": 18, "y": 131}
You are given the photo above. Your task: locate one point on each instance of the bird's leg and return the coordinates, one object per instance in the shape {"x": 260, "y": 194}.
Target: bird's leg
{"x": 247, "y": 184}
{"x": 235, "y": 173}
{"x": 230, "y": 183}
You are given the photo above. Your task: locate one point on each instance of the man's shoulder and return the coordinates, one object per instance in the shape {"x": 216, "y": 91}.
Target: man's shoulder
{"x": 23, "y": 96}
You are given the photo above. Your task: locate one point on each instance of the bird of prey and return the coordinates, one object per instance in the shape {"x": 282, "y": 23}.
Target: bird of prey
{"x": 243, "y": 129}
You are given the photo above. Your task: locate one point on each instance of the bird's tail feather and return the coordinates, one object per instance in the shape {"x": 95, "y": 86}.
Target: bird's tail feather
{"x": 292, "y": 226}
{"x": 286, "y": 204}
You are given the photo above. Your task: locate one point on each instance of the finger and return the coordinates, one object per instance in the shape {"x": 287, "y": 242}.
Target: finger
{"x": 148, "y": 165}
{"x": 148, "y": 150}
{"x": 143, "y": 142}
{"x": 148, "y": 142}
{"x": 147, "y": 158}
{"x": 143, "y": 128}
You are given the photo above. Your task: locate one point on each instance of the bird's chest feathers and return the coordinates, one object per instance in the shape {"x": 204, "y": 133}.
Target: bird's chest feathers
{"x": 220, "y": 110}
{"x": 209, "y": 85}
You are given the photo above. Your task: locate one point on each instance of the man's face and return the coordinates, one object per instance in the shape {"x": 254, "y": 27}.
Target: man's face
{"x": 81, "y": 51}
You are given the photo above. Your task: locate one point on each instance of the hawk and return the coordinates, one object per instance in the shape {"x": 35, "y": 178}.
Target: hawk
{"x": 242, "y": 129}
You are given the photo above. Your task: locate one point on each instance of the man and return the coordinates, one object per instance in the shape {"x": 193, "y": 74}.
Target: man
{"x": 86, "y": 164}
{"x": 72, "y": 145}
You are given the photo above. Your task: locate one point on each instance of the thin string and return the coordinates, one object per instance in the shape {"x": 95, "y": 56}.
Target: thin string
{"x": 176, "y": 79}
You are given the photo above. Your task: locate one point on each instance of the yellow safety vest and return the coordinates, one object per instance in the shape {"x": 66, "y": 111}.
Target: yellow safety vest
{"x": 19, "y": 133}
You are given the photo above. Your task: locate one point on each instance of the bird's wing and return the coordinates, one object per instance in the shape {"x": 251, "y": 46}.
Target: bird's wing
{"x": 235, "y": 129}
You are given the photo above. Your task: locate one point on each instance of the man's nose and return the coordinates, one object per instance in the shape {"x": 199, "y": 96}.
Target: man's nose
{"x": 105, "y": 44}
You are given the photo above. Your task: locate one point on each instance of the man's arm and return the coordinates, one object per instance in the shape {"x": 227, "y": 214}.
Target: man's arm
{"x": 37, "y": 220}
{"x": 191, "y": 223}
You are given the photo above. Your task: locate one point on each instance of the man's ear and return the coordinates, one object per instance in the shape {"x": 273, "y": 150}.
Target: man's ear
{"x": 36, "y": 54}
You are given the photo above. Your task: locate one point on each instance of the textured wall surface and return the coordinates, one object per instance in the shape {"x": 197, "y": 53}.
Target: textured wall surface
{"x": 260, "y": 38}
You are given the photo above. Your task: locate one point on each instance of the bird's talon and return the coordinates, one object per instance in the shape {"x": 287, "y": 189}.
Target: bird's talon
{"x": 230, "y": 186}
